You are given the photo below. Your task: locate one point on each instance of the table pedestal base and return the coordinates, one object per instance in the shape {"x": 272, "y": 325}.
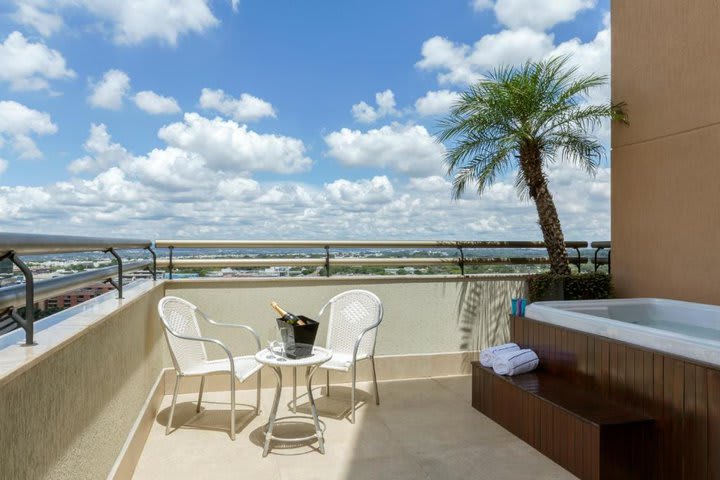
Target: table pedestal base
{"x": 310, "y": 371}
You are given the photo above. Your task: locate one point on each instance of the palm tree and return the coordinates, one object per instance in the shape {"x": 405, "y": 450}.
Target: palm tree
{"x": 524, "y": 118}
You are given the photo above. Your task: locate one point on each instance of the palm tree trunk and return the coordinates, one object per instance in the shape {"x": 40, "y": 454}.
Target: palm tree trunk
{"x": 531, "y": 164}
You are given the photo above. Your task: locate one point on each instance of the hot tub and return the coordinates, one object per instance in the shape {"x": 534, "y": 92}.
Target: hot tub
{"x": 683, "y": 329}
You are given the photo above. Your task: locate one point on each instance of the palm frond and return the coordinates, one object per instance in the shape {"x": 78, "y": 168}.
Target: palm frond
{"x": 537, "y": 105}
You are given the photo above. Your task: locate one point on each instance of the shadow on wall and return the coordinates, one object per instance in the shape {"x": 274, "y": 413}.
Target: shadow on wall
{"x": 483, "y": 307}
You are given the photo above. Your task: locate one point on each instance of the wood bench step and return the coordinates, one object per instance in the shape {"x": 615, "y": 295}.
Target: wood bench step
{"x": 576, "y": 400}
{"x": 590, "y": 436}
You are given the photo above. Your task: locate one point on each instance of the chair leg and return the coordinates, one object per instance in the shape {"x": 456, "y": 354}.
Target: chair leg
{"x": 294, "y": 403}
{"x": 232, "y": 407}
{"x": 172, "y": 406}
{"x": 352, "y": 394}
{"x": 257, "y": 400}
{"x": 377, "y": 392}
{"x": 327, "y": 382}
{"x": 202, "y": 386}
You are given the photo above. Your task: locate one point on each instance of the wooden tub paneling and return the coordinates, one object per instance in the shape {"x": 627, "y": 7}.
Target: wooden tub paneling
{"x": 681, "y": 395}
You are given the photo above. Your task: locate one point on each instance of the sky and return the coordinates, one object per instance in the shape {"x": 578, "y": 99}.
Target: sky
{"x": 252, "y": 119}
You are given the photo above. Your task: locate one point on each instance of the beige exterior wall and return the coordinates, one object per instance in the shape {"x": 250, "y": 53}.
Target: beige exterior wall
{"x": 665, "y": 166}
{"x": 70, "y": 403}
{"x": 422, "y": 314}
{"x": 67, "y": 415}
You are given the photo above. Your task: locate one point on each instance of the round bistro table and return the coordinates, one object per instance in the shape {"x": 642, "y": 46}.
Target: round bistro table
{"x": 275, "y": 361}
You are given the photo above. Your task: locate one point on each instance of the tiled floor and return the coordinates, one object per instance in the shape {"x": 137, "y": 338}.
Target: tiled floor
{"x": 423, "y": 429}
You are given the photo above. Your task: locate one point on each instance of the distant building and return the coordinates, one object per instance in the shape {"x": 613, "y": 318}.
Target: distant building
{"x": 6, "y": 267}
{"x": 405, "y": 271}
{"x": 7, "y": 279}
{"x": 75, "y": 297}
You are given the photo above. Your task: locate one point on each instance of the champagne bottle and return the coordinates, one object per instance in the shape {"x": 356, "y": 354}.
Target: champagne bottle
{"x": 287, "y": 316}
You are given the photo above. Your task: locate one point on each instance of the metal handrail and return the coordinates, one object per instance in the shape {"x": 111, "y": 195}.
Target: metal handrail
{"x": 172, "y": 263}
{"x": 14, "y": 295}
{"x": 356, "y": 244}
{"x": 354, "y": 262}
{"x": 30, "y": 244}
{"x": 12, "y": 245}
{"x": 597, "y": 261}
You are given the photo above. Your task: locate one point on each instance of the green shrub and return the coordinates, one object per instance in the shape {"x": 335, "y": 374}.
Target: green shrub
{"x": 582, "y": 286}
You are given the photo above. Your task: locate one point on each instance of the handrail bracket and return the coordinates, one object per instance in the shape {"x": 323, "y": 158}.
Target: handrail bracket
{"x": 27, "y": 322}
{"x": 119, "y": 285}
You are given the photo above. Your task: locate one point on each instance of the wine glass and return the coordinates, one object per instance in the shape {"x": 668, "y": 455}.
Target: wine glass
{"x": 274, "y": 342}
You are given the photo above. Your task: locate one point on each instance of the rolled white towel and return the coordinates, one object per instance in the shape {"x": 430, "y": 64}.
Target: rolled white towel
{"x": 515, "y": 362}
{"x": 487, "y": 356}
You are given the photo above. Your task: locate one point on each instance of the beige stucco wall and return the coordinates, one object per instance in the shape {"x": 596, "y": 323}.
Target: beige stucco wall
{"x": 665, "y": 166}
{"x": 68, "y": 415}
{"x": 68, "y": 410}
{"x": 422, "y": 314}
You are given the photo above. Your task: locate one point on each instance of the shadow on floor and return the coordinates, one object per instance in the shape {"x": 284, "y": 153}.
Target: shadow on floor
{"x": 337, "y": 406}
{"x": 287, "y": 429}
{"x": 217, "y": 417}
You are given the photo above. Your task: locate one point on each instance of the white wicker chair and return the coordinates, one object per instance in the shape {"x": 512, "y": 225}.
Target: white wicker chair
{"x": 187, "y": 349}
{"x": 355, "y": 316}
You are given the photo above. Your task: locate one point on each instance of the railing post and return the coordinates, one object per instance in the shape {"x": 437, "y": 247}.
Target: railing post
{"x": 462, "y": 261}
{"x": 327, "y": 260}
{"x": 170, "y": 264}
{"x": 27, "y": 323}
{"x": 154, "y": 265}
{"x": 595, "y": 261}
{"x": 579, "y": 260}
{"x": 119, "y": 284}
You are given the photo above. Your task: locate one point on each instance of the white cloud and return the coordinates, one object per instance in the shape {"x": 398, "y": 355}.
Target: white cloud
{"x": 45, "y": 23}
{"x": 362, "y": 112}
{"x": 154, "y": 104}
{"x": 111, "y": 184}
{"x": 129, "y": 22}
{"x": 239, "y": 188}
{"x": 199, "y": 152}
{"x": 436, "y": 102}
{"x": 286, "y": 197}
{"x": 170, "y": 169}
{"x": 539, "y": 15}
{"x": 3, "y": 166}
{"x": 463, "y": 64}
{"x": 18, "y": 122}
{"x": 102, "y": 152}
{"x": 405, "y": 148}
{"x": 144, "y": 198}
{"x": 247, "y": 108}
{"x": 490, "y": 225}
{"x": 361, "y": 192}
{"x": 30, "y": 66}
{"x": 135, "y": 21}
{"x": 110, "y": 91}
{"x": 592, "y": 57}
{"x": 231, "y": 147}
{"x": 480, "y": 5}
{"x": 431, "y": 184}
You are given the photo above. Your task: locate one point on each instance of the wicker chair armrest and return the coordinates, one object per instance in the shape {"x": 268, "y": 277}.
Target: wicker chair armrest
{"x": 210, "y": 340}
{"x": 247, "y": 328}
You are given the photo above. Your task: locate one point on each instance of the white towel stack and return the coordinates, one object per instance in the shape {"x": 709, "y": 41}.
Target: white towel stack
{"x": 515, "y": 362}
{"x": 487, "y": 356}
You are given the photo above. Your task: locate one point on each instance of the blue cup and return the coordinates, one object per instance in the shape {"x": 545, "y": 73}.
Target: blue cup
{"x": 521, "y": 306}
{"x": 515, "y": 306}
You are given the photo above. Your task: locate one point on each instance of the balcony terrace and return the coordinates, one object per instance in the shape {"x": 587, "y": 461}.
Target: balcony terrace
{"x": 90, "y": 398}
